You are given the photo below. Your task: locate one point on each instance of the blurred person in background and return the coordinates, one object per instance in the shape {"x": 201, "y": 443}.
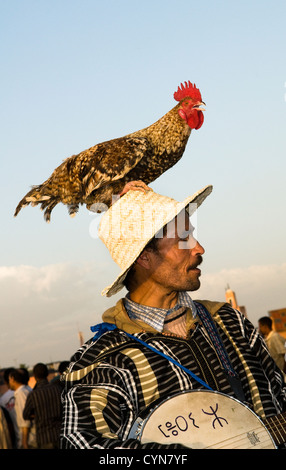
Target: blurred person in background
{"x": 61, "y": 369}
{"x": 275, "y": 342}
{"x": 18, "y": 383}
{"x": 7, "y": 434}
{"x": 7, "y": 402}
{"x": 44, "y": 406}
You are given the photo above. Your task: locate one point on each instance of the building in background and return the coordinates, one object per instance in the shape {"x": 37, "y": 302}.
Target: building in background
{"x": 278, "y": 316}
{"x": 278, "y": 320}
{"x": 80, "y": 337}
{"x": 230, "y": 297}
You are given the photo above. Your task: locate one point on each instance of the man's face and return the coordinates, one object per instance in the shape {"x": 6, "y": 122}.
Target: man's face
{"x": 263, "y": 330}
{"x": 174, "y": 266}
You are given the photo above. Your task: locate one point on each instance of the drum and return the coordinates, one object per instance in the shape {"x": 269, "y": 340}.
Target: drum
{"x": 202, "y": 419}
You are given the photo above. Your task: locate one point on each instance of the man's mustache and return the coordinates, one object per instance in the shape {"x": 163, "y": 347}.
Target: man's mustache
{"x": 197, "y": 263}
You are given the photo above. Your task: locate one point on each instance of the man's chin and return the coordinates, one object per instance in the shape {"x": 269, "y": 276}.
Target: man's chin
{"x": 195, "y": 285}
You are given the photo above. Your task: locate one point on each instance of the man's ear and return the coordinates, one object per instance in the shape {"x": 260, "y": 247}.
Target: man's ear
{"x": 144, "y": 259}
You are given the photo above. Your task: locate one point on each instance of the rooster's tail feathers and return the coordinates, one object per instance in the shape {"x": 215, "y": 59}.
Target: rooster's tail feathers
{"x": 35, "y": 197}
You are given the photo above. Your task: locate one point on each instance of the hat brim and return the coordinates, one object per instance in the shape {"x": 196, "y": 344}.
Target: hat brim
{"x": 195, "y": 200}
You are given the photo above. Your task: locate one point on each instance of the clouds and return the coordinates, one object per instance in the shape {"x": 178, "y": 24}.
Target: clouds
{"x": 259, "y": 288}
{"x": 44, "y": 307}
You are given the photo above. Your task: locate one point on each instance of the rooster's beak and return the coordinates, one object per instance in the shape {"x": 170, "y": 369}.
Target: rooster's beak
{"x": 198, "y": 106}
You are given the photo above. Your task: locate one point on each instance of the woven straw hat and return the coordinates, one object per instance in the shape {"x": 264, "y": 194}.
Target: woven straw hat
{"x": 133, "y": 220}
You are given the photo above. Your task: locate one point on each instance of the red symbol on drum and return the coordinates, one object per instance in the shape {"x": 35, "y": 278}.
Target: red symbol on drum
{"x": 181, "y": 424}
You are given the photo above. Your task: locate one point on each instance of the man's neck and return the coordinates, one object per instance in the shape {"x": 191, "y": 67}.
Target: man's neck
{"x": 154, "y": 297}
{"x": 269, "y": 333}
{"x": 17, "y": 386}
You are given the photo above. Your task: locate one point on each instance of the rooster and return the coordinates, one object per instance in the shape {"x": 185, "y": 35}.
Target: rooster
{"x": 96, "y": 175}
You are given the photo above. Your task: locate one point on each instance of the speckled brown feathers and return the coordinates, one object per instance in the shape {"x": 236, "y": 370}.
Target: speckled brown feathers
{"x": 95, "y": 175}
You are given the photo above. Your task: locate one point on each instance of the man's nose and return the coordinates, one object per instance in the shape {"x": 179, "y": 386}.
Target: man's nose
{"x": 198, "y": 248}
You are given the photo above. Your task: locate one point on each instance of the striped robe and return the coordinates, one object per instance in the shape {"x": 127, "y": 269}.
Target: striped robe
{"x": 114, "y": 378}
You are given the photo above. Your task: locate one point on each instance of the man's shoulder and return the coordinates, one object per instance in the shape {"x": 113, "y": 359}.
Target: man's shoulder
{"x": 212, "y": 306}
{"x": 104, "y": 340}
{"x": 223, "y": 310}
{"x": 23, "y": 389}
{"x": 278, "y": 336}
{"x": 44, "y": 387}
{"x": 6, "y": 396}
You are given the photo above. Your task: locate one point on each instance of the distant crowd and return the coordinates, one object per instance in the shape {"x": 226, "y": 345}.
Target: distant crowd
{"x": 31, "y": 407}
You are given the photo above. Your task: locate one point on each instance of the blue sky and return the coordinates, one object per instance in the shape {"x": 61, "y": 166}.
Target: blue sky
{"x": 75, "y": 73}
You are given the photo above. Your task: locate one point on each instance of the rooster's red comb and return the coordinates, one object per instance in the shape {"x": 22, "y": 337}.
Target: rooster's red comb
{"x": 189, "y": 90}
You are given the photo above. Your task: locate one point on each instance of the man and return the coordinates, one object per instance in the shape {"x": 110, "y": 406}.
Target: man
{"x": 18, "y": 383}
{"x": 7, "y": 401}
{"x": 114, "y": 377}
{"x": 275, "y": 342}
{"x": 44, "y": 405}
